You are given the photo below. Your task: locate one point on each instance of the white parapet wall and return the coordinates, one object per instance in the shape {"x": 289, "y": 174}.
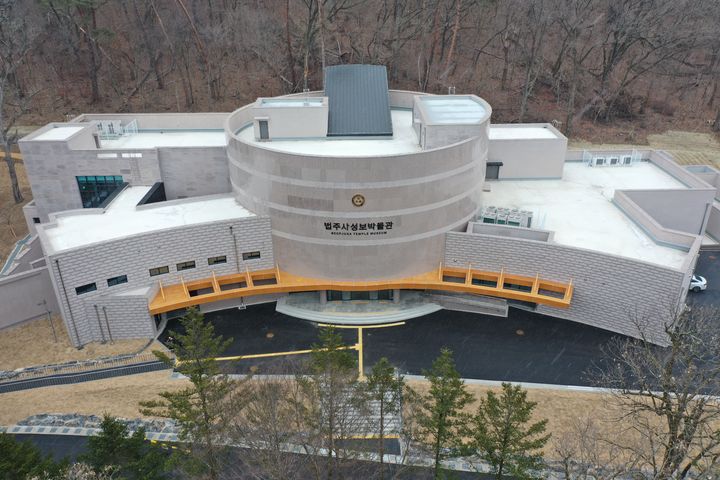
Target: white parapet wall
{"x": 527, "y": 151}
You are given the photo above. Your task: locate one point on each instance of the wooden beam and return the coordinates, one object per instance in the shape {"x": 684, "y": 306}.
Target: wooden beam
{"x": 536, "y": 285}
{"x": 215, "y": 284}
{"x": 177, "y": 296}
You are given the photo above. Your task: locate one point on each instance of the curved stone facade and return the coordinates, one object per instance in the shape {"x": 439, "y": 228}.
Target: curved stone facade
{"x": 319, "y": 231}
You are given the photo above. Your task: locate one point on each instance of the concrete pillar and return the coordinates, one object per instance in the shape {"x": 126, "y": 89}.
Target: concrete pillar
{"x": 345, "y": 296}
{"x": 396, "y": 295}
{"x": 323, "y": 297}
{"x": 373, "y": 295}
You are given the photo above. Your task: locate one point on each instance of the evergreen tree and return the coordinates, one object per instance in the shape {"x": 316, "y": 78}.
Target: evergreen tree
{"x": 502, "y": 435}
{"x": 385, "y": 388}
{"x": 441, "y": 415}
{"x": 128, "y": 456}
{"x": 21, "y": 460}
{"x": 330, "y": 404}
{"x": 198, "y": 409}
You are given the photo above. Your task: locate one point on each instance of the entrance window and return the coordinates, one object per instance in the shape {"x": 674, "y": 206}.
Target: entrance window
{"x": 94, "y": 190}
{"x": 338, "y": 296}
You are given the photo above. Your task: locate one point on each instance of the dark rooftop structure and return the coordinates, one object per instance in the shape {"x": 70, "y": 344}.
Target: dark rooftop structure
{"x": 358, "y": 101}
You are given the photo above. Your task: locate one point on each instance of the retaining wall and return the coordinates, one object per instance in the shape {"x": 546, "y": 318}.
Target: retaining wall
{"x": 22, "y": 295}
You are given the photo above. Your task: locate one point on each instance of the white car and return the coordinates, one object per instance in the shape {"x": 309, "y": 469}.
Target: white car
{"x": 698, "y": 283}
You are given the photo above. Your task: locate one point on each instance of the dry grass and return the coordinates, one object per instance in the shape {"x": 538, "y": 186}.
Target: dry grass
{"x": 116, "y": 396}
{"x": 32, "y": 343}
{"x": 561, "y": 408}
{"x": 120, "y": 397}
{"x": 12, "y": 222}
{"x": 688, "y": 148}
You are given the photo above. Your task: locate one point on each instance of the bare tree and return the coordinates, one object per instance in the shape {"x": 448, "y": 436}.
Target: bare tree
{"x": 532, "y": 42}
{"x": 668, "y": 395}
{"x": 332, "y": 410}
{"x": 16, "y": 41}
{"x": 585, "y": 453}
{"x": 269, "y": 423}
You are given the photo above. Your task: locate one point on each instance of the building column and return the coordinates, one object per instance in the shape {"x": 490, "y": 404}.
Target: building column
{"x": 323, "y": 297}
{"x": 396, "y": 295}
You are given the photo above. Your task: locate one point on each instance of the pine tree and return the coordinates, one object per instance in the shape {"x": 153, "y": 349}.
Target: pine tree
{"x": 329, "y": 396}
{"x": 502, "y": 435}
{"x": 385, "y": 388}
{"x": 442, "y": 416}
{"x": 125, "y": 454}
{"x": 21, "y": 460}
{"x": 198, "y": 409}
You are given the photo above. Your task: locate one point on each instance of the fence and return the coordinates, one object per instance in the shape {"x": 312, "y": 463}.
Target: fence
{"x": 78, "y": 372}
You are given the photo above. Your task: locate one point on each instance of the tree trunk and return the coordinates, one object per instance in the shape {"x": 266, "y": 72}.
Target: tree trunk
{"x": 716, "y": 125}
{"x": 288, "y": 46}
{"x": 395, "y": 41}
{"x": 95, "y": 59}
{"x": 17, "y": 194}
{"x": 455, "y": 29}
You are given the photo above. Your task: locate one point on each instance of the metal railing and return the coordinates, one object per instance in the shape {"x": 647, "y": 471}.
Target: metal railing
{"x": 78, "y": 371}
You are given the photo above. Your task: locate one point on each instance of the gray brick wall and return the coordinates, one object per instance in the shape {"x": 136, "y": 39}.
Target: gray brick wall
{"x": 52, "y": 168}
{"x": 117, "y": 317}
{"x": 608, "y": 290}
{"x": 134, "y": 256}
{"x": 191, "y": 172}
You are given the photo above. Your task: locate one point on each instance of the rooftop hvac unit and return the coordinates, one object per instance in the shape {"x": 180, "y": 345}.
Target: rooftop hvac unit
{"x": 614, "y": 161}
{"x": 514, "y": 220}
{"x": 627, "y": 160}
{"x": 488, "y": 217}
{"x": 598, "y": 162}
{"x": 502, "y": 218}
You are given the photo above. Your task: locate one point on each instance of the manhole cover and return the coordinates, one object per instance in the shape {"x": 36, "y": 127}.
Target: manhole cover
{"x": 269, "y": 335}
{"x": 712, "y": 257}
{"x": 519, "y": 332}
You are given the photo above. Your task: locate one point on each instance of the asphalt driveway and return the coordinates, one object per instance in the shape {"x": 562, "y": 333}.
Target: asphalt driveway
{"x": 525, "y": 347}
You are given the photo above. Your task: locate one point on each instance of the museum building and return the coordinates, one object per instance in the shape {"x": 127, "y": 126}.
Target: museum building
{"x": 356, "y": 204}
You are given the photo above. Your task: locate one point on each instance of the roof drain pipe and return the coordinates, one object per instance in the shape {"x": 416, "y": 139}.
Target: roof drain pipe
{"x": 107, "y": 324}
{"x": 97, "y": 314}
{"x": 67, "y": 302}
{"x": 237, "y": 256}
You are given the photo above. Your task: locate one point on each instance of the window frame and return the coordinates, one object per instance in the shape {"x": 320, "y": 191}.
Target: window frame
{"x": 87, "y": 288}
{"x": 251, "y": 255}
{"x": 117, "y": 280}
{"x": 189, "y": 265}
{"x": 95, "y": 189}
{"x": 217, "y": 260}
{"x": 158, "y": 271}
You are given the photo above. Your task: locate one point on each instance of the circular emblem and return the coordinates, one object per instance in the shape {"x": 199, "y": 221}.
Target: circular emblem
{"x": 358, "y": 200}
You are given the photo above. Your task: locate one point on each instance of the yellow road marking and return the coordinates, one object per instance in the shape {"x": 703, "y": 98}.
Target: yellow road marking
{"x": 275, "y": 354}
{"x": 360, "y": 328}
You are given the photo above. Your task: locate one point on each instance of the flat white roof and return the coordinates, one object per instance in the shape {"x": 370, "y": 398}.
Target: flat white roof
{"x": 520, "y": 133}
{"x": 59, "y": 133}
{"x": 168, "y": 138}
{"x": 449, "y": 109}
{"x": 122, "y": 218}
{"x": 579, "y": 209}
{"x": 403, "y": 140}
